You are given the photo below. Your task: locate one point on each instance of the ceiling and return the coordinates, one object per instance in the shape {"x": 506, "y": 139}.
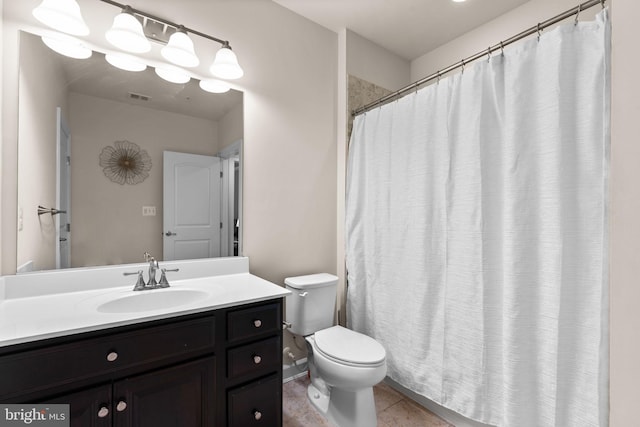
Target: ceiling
{"x": 409, "y": 28}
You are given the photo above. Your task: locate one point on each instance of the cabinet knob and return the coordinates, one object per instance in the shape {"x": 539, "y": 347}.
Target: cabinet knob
{"x": 121, "y": 406}
{"x": 111, "y": 357}
{"x": 257, "y": 415}
{"x": 257, "y": 359}
{"x": 257, "y": 323}
{"x": 103, "y": 412}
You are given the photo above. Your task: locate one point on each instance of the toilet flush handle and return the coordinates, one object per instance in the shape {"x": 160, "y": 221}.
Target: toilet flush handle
{"x": 303, "y": 294}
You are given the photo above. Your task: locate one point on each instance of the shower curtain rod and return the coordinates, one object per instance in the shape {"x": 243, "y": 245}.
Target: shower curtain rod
{"x": 500, "y": 46}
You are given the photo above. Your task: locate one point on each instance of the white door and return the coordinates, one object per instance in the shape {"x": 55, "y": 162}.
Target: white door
{"x": 63, "y": 193}
{"x": 191, "y": 206}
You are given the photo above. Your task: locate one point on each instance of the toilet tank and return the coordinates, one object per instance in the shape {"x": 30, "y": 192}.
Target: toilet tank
{"x": 310, "y": 306}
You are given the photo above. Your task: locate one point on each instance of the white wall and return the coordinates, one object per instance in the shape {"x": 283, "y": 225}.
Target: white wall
{"x": 231, "y": 127}
{"x": 375, "y": 64}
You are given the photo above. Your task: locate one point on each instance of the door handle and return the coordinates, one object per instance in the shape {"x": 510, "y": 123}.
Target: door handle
{"x": 169, "y": 233}
{"x": 63, "y": 239}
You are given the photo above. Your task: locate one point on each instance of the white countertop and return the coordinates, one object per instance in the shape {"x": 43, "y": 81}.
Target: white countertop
{"x": 27, "y": 315}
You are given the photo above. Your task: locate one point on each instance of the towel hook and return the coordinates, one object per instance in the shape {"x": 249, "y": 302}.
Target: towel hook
{"x": 578, "y": 14}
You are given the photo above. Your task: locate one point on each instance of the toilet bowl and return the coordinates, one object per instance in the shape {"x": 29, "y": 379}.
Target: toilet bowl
{"x": 344, "y": 365}
{"x": 347, "y": 365}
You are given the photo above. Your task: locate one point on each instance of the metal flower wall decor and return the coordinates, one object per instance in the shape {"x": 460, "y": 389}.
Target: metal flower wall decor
{"x": 125, "y": 163}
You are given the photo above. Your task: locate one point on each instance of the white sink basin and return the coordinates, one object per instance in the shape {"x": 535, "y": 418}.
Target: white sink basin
{"x": 152, "y": 300}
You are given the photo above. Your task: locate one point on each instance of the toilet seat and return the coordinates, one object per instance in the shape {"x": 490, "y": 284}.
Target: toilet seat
{"x": 348, "y": 347}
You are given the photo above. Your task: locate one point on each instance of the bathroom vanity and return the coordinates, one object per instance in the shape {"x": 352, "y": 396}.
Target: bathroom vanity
{"x": 216, "y": 360}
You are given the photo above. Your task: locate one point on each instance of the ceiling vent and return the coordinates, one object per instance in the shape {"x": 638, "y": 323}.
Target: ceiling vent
{"x": 139, "y": 96}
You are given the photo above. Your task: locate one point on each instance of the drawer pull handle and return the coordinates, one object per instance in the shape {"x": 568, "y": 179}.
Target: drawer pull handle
{"x": 103, "y": 412}
{"x": 257, "y": 415}
{"x": 111, "y": 357}
{"x": 257, "y": 359}
{"x": 121, "y": 406}
{"x": 257, "y": 323}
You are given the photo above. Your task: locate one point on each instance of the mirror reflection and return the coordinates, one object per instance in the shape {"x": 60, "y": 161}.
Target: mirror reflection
{"x": 83, "y": 126}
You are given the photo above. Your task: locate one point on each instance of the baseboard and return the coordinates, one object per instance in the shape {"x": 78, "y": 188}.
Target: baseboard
{"x": 446, "y": 414}
{"x": 291, "y": 372}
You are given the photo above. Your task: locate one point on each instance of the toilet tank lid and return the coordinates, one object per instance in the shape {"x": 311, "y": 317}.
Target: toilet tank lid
{"x": 311, "y": 281}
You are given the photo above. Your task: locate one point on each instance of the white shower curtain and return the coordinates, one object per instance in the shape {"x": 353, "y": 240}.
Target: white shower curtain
{"x": 476, "y": 231}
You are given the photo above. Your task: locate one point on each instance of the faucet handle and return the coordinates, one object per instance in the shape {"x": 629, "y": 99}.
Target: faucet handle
{"x": 164, "y": 283}
{"x": 139, "y": 283}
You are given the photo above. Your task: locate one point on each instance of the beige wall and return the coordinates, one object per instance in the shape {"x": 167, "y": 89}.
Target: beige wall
{"x": 107, "y": 222}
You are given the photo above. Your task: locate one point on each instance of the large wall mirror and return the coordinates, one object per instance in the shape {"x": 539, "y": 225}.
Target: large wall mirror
{"x": 72, "y": 112}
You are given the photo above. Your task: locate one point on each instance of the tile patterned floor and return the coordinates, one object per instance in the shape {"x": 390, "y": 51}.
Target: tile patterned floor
{"x": 394, "y": 410}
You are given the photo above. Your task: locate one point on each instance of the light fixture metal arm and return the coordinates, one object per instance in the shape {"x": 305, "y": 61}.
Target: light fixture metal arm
{"x": 224, "y": 43}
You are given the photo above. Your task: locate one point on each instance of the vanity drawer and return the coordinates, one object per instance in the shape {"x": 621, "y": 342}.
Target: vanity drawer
{"x": 257, "y": 358}
{"x": 254, "y": 321}
{"x": 58, "y": 365}
{"x": 257, "y": 404}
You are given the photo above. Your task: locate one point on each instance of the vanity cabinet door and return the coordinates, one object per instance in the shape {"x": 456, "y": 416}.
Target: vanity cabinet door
{"x": 88, "y": 408}
{"x": 181, "y": 396}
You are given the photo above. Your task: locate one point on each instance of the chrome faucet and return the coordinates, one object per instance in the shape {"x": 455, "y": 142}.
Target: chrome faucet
{"x": 153, "y": 268}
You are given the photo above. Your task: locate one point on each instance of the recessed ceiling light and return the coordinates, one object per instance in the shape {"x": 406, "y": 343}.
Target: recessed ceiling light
{"x": 458, "y": 1}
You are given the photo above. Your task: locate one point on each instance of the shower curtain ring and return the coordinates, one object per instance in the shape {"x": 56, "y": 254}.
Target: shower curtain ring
{"x": 578, "y": 14}
{"x": 489, "y": 53}
{"x": 602, "y": 3}
{"x": 539, "y": 31}
{"x": 502, "y": 48}
{"x": 438, "y": 75}
{"x": 462, "y": 66}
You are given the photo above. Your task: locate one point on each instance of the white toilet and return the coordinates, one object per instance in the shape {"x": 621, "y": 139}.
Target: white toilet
{"x": 344, "y": 365}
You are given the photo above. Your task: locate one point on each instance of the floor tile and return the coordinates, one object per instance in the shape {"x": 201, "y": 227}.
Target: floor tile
{"x": 393, "y": 408}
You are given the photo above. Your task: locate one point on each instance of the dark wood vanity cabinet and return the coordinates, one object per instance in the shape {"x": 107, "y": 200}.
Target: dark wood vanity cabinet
{"x": 217, "y": 368}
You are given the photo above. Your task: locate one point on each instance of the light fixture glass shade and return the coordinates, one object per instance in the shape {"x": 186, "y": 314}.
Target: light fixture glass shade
{"x": 67, "y": 46}
{"x": 62, "y": 15}
{"x": 214, "y": 86}
{"x": 126, "y": 33}
{"x": 125, "y": 62}
{"x": 172, "y": 74}
{"x": 180, "y": 50}
{"x": 225, "y": 65}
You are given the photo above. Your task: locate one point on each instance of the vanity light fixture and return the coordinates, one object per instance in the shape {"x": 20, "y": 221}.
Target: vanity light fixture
{"x": 125, "y": 62}
{"x": 180, "y": 49}
{"x": 62, "y": 15}
{"x": 127, "y": 34}
{"x": 67, "y": 46}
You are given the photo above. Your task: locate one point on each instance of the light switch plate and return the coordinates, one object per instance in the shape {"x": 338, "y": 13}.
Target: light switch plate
{"x": 148, "y": 211}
